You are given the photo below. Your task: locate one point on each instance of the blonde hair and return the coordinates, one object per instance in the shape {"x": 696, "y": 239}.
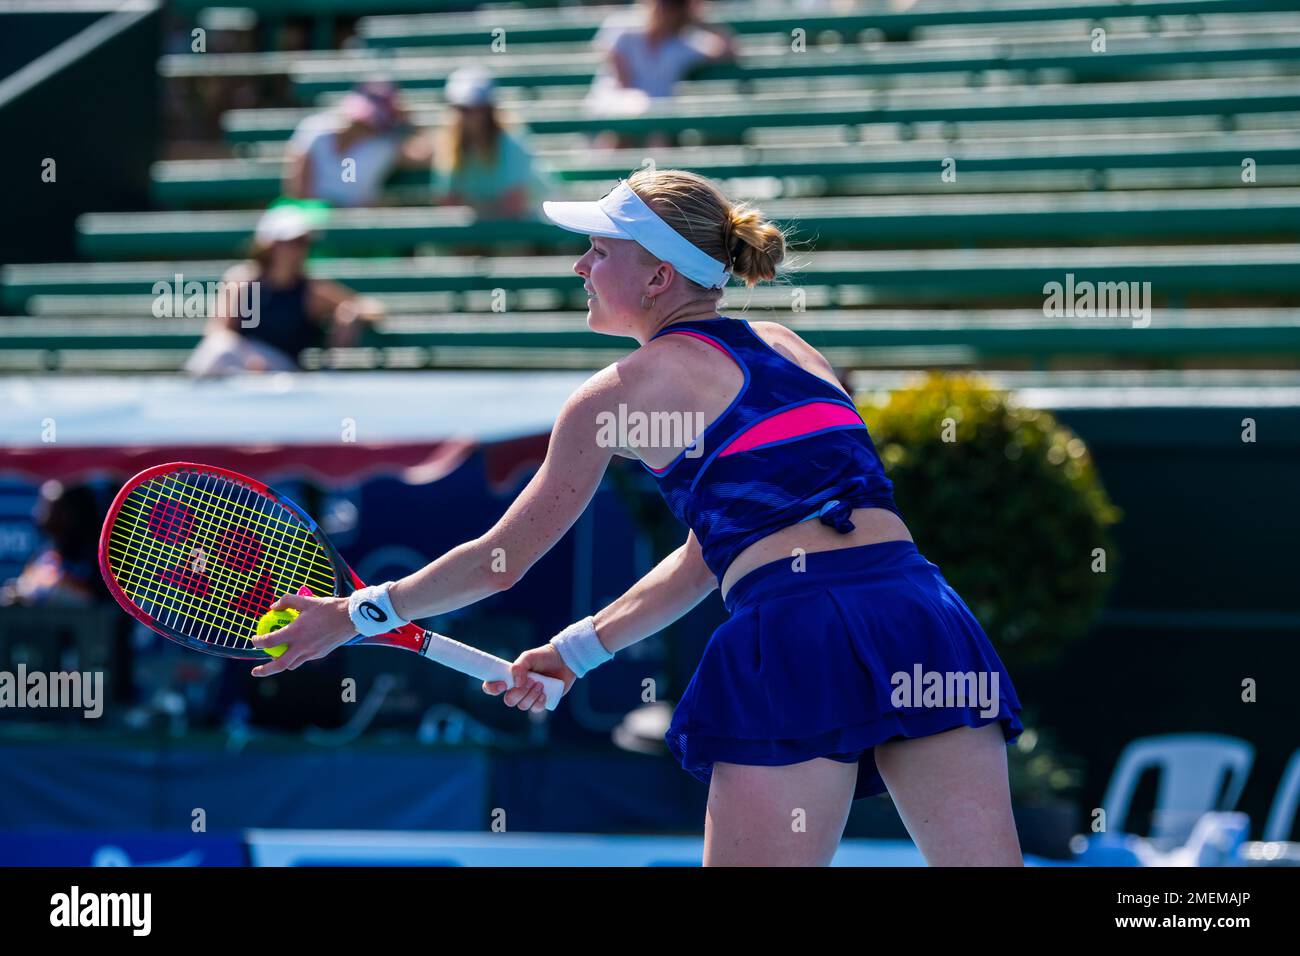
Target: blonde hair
{"x": 457, "y": 151}
{"x": 732, "y": 233}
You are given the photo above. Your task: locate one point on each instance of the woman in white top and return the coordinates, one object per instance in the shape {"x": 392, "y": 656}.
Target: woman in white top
{"x": 647, "y": 51}
{"x": 345, "y": 156}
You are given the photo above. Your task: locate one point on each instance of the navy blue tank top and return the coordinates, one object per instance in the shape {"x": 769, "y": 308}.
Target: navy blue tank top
{"x": 791, "y": 447}
{"x": 283, "y": 322}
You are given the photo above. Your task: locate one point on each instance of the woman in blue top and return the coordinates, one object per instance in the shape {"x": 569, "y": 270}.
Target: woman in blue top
{"x": 848, "y": 665}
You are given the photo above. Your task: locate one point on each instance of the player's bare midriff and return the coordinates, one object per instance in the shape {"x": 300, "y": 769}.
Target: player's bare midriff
{"x": 871, "y": 526}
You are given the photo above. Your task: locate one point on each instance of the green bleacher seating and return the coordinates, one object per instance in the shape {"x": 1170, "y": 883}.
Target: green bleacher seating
{"x": 295, "y": 8}
{"x": 563, "y": 338}
{"x": 1191, "y": 39}
{"x": 316, "y": 76}
{"x": 932, "y": 276}
{"x": 849, "y": 221}
{"x": 1069, "y": 164}
{"x": 725, "y": 115}
{"x": 250, "y": 181}
{"x": 568, "y": 24}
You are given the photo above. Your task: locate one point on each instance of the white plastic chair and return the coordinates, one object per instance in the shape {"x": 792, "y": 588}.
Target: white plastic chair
{"x": 1192, "y": 769}
{"x": 1281, "y": 817}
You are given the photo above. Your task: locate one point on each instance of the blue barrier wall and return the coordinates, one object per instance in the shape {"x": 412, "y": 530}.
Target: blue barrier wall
{"x": 98, "y": 785}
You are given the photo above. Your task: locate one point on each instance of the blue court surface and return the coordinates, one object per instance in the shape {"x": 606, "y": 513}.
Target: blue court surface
{"x": 311, "y": 848}
{"x": 359, "y": 848}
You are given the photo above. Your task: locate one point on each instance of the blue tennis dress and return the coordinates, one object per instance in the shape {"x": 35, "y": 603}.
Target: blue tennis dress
{"x": 829, "y": 653}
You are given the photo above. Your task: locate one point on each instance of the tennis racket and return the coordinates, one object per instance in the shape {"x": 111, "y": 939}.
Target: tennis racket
{"x": 199, "y": 554}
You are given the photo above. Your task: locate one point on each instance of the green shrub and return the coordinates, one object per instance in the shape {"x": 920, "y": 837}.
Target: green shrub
{"x": 1007, "y": 502}
{"x": 1039, "y": 770}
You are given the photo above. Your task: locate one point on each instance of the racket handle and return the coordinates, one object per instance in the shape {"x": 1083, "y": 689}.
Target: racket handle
{"x": 475, "y": 663}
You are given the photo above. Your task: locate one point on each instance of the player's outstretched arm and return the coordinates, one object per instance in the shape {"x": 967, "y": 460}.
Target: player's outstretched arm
{"x": 674, "y": 586}
{"x": 537, "y": 519}
{"x": 547, "y": 507}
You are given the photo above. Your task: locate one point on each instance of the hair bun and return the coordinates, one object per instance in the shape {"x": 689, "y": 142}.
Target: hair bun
{"x": 732, "y": 233}
{"x": 756, "y": 245}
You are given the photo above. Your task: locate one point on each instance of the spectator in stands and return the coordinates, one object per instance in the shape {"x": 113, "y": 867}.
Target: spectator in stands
{"x": 266, "y": 327}
{"x": 647, "y": 50}
{"x": 66, "y": 571}
{"x": 481, "y": 164}
{"x": 344, "y": 156}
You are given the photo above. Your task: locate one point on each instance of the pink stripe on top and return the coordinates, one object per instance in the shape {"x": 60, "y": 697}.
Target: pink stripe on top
{"x": 792, "y": 423}
{"x": 702, "y": 338}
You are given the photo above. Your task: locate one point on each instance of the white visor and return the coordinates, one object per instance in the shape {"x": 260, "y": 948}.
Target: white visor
{"x": 282, "y": 224}
{"x": 623, "y": 215}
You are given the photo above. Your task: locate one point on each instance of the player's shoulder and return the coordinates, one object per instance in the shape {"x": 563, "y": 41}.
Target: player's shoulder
{"x": 775, "y": 332}
{"x": 639, "y": 376}
{"x": 602, "y": 389}
{"x": 786, "y": 341}
{"x": 647, "y": 362}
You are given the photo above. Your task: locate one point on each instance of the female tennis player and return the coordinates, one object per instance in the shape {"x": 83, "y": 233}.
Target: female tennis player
{"x": 810, "y": 695}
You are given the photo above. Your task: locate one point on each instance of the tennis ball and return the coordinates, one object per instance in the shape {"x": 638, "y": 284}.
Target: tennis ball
{"x": 273, "y": 621}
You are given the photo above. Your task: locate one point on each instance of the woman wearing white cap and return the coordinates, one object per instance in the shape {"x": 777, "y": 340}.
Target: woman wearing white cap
{"x": 480, "y": 163}
{"x": 790, "y": 715}
{"x": 269, "y": 310}
{"x": 345, "y": 155}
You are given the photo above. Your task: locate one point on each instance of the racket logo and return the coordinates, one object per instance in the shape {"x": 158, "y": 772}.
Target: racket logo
{"x": 200, "y": 562}
{"x": 373, "y": 612}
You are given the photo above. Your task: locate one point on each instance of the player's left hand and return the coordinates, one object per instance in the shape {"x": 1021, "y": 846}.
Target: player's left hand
{"x": 527, "y": 693}
{"x": 322, "y": 625}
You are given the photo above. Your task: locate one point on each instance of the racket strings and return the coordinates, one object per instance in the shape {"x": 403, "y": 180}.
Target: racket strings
{"x": 218, "y": 538}
{"x": 224, "y": 602}
{"x": 184, "y": 579}
{"x": 187, "y": 587}
{"x": 298, "y": 543}
{"x": 211, "y": 557}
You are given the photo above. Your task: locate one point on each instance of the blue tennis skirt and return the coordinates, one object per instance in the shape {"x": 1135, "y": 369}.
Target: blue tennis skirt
{"x": 859, "y": 646}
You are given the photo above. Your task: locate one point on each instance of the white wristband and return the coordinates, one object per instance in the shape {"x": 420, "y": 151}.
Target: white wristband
{"x": 372, "y": 611}
{"x": 580, "y": 647}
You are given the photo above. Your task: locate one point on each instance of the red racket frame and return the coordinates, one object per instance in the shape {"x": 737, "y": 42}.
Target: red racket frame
{"x": 410, "y": 637}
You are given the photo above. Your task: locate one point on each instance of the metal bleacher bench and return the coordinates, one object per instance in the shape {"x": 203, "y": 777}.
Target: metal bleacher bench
{"x": 556, "y": 23}
{"x": 252, "y": 181}
{"x": 576, "y": 24}
{"x": 864, "y": 221}
{"x": 562, "y": 340}
{"x": 725, "y": 114}
{"x": 934, "y": 276}
{"x": 314, "y": 76}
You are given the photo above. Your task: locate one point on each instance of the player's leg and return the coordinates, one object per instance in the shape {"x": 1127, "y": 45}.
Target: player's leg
{"x": 952, "y": 793}
{"x": 777, "y": 816}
